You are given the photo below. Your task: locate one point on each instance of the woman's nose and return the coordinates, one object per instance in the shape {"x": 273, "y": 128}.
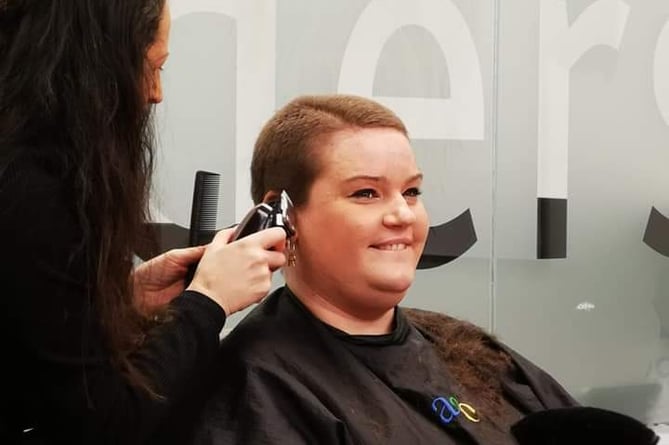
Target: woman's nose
{"x": 155, "y": 90}
{"x": 399, "y": 213}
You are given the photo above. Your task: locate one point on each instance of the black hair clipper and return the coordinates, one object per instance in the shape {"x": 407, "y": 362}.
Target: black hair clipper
{"x": 265, "y": 215}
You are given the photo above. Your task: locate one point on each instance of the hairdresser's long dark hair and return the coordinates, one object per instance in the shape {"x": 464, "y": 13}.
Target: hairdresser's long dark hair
{"x": 73, "y": 76}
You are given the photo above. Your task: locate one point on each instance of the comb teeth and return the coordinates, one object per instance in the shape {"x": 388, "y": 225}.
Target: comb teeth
{"x": 204, "y": 210}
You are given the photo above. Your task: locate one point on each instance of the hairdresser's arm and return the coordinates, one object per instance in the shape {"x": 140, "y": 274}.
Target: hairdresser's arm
{"x": 158, "y": 281}
{"x": 60, "y": 376}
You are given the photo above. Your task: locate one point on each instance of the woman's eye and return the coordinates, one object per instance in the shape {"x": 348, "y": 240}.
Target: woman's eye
{"x": 413, "y": 191}
{"x": 365, "y": 193}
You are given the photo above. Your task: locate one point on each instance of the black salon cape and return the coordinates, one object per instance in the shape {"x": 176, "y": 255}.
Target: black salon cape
{"x": 294, "y": 380}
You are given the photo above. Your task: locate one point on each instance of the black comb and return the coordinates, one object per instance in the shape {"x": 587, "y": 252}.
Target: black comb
{"x": 204, "y": 211}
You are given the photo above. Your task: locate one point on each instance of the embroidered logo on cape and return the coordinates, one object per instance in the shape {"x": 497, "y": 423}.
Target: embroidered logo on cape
{"x": 447, "y": 409}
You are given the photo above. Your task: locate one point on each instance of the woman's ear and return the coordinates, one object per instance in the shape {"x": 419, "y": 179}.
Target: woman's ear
{"x": 271, "y": 195}
{"x": 293, "y": 220}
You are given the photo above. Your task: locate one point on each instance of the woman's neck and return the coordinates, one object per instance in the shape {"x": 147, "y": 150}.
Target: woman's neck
{"x": 336, "y": 313}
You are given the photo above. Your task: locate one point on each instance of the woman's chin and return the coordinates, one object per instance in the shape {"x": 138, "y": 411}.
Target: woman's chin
{"x": 396, "y": 284}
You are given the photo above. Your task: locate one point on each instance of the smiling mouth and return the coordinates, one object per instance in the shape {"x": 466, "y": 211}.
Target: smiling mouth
{"x": 392, "y": 247}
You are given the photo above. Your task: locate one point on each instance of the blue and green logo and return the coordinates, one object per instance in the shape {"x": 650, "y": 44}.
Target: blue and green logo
{"x": 447, "y": 409}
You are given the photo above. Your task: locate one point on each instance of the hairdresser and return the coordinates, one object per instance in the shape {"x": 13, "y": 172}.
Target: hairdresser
{"x": 94, "y": 350}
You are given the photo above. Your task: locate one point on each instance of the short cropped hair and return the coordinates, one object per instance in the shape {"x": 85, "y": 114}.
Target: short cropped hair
{"x": 286, "y": 154}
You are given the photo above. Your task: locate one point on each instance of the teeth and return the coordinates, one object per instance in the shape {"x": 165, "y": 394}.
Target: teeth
{"x": 393, "y": 247}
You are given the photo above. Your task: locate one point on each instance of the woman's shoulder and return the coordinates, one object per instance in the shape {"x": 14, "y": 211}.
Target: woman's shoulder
{"x": 27, "y": 170}
{"x": 466, "y": 347}
{"x": 35, "y": 204}
{"x": 280, "y": 335}
{"x": 460, "y": 341}
{"x": 28, "y": 182}
{"x": 436, "y": 325}
{"x": 272, "y": 328}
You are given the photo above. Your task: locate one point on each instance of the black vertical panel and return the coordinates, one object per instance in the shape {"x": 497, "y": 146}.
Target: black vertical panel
{"x": 551, "y": 228}
{"x": 657, "y": 232}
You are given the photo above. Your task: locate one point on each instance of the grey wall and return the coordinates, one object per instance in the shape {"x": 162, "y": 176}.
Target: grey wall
{"x": 507, "y": 101}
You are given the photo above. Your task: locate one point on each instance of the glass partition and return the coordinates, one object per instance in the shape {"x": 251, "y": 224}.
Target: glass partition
{"x": 542, "y": 127}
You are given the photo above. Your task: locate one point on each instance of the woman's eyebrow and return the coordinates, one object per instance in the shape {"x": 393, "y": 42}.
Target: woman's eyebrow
{"x": 417, "y": 176}
{"x": 365, "y": 177}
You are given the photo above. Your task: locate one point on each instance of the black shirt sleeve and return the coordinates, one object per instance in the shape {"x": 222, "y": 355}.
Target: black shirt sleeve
{"x": 57, "y": 377}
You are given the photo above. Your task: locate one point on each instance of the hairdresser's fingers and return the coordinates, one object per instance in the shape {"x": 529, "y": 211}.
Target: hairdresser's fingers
{"x": 224, "y": 235}
{"x": 275, "y": 260}
{"x": 183, "y": 257}
{"x": 239, "y": 273}
{"x": 272, "y": 238}
{"x": 164, "y": 269}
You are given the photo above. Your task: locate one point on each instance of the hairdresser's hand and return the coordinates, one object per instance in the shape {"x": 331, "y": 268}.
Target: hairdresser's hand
{"x": 157, "y": 281}
{"x": 238, "y": 274}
